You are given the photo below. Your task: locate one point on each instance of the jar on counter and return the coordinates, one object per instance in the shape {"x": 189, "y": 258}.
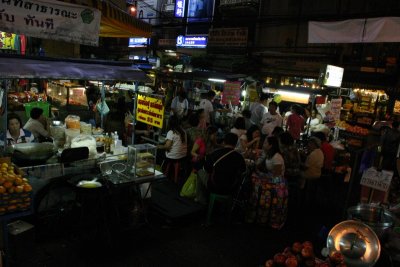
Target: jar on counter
{"x": 73, "y": 122}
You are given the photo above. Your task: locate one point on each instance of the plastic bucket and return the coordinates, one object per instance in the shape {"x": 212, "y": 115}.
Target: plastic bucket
{"x": 43, "y": 105}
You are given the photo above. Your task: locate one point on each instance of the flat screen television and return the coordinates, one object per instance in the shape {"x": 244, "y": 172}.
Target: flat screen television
{"x": 331, "y": 76}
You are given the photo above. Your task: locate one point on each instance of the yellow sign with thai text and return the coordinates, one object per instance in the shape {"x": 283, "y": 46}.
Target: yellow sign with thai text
{"x": 150, "y": 110}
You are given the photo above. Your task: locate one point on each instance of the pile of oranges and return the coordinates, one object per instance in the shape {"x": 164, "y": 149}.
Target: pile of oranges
{"x": 14, "y": 190}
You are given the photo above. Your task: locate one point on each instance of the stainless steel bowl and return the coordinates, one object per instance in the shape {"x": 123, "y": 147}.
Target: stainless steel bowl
{"x": 373, "y": 215}
{"x": 357, "y": 242}
{"x": 33, "y": 151}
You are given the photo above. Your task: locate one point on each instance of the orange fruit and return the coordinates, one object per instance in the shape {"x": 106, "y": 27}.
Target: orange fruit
{"x": 2, "y": 180}
{"x": 18, "y": 181}
{"x": 7, "y": 184}
{"x": 27, "y": 188}
{"x": 12, "y": 207}
{"x": 10, "y": 190}
{"x": 2, "y": 189}
{"x": 18, "y": 188}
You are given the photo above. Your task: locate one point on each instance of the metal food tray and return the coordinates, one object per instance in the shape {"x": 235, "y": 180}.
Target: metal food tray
{"x": 126, "y": 176}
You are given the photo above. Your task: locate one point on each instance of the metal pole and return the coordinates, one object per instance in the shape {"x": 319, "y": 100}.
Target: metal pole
{"x": 103, "y": 95}
{"x": 5, "y": 115}
{"x": 134, "y": 112}
{"x": 354, "y": 173}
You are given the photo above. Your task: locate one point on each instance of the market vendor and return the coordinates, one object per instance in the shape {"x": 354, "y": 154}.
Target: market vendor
{"x": 15, "y": 134}
{"x": 36, "y": 125}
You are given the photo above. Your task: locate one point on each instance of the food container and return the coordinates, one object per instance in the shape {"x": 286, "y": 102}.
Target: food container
{"x": 86, "y": 128}
{"x": 57, "y": 131}
{"x": 141, "y": 159}
{"x": 70, "y": 134}
{"x": 73, "y": 122}
{"x": 373, "y": 215}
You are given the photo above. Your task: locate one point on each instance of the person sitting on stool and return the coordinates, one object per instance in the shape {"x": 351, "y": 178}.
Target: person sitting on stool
{"x": 222, "y": 171}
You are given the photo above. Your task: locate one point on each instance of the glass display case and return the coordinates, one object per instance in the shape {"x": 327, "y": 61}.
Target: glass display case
{"x": 142, "y": 159}
{"x": 66, "y": 93}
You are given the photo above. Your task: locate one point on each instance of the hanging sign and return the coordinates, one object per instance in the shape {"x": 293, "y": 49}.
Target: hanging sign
{"x": 336, "y": 106}
{"x": 231, "y": 93}
{"x": 51, "y": 20}
{"x": 150, "y": 110}
{"x": 379, "y": 180}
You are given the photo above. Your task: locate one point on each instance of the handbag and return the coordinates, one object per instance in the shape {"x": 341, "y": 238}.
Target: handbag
{"x": 189, "y": 188}
{"x": 102, "y": 107}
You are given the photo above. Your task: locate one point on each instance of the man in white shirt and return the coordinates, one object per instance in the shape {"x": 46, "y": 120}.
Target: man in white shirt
{"x": 35, "y": 124}
{"x": 258, "y": 109}
{"x": 180, "y": 105}
{"x": 271, "y": 119}
{"x": 207, "y": 106}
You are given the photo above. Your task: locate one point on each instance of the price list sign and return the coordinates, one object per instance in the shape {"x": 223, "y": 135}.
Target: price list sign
{"x": 231, "y": 93}
{"x": 379, "y": 180}
{"x": 150, "y": 110}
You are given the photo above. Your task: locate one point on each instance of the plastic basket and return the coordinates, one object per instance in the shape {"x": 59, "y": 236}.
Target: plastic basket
{"x": 43, "y": 105}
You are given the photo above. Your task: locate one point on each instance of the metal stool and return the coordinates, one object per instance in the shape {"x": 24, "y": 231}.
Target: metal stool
{"x": 226, "y": 199}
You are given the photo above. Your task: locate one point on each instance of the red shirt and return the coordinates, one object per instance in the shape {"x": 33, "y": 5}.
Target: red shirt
{"x": 329, "y": 154}
{"x": 295, "y": 124}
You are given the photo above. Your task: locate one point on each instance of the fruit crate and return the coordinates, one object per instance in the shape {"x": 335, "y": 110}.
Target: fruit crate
{"x": 15, "y": 202}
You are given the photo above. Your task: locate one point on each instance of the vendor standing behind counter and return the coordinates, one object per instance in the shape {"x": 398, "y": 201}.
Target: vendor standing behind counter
{"x": 15, "y": 134}
{"x": 36, "y": 125}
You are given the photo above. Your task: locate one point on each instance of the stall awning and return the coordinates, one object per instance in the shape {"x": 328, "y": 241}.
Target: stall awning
{"x": 116, "y": 22}
{"x": 52, "y": 69}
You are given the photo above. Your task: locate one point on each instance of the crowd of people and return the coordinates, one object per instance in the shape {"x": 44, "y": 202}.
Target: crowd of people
{"x": 261, "y": 146}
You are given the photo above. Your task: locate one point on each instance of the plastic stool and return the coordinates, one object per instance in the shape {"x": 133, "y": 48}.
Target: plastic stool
{"x": 227, "y": 199}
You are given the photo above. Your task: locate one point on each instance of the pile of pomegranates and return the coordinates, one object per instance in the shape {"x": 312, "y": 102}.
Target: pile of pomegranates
{"x": 302, "y": 255}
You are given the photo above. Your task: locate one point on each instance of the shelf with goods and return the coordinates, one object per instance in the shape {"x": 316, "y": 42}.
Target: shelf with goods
{"x": 354, "y": 135}
{"x": 67, "y": 93}
{"x": 21, "y": 92}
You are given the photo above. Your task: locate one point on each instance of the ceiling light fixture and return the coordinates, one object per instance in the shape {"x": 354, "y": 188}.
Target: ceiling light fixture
{"x": 216, "y": 80}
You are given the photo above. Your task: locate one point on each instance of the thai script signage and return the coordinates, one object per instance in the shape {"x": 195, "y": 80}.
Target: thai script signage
{"x": 51, "y": 20}
{"x": 191, "y": 41}
{"x": 179, "y": 8}
{"x": 232, "y": 37}
{"x": 150, "y": 110}
{"x": 231, "y": 93}
{"x": 137, "y": 42}
{"x": 379, "y": 180}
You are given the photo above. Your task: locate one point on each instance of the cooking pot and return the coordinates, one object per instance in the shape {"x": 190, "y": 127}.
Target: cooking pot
{"x": 373, "y": 215}
{"x": 33, "y": 151}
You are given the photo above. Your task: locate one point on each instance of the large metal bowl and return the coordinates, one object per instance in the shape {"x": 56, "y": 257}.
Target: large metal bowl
{"x": 357, "y": 242}
{"x": 33, "y": 151}
{"x": 373, "y": 215}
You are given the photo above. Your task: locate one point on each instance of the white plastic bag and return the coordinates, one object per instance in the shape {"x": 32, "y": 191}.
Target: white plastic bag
{"x": 88, "y": 141}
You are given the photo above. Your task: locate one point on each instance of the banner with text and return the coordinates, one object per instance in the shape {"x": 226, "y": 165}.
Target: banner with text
{"x": 150, "y": 110}
{"x": 232, "y": 37}
{"x": 375, "y": 179}
{"x": 231, "y": 93}
{"x": 51, "y": 20}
